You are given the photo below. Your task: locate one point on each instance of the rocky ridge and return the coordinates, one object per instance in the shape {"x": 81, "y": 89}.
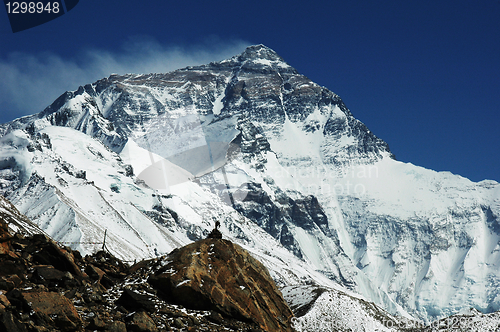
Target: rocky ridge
{"x": 46, "y": 287}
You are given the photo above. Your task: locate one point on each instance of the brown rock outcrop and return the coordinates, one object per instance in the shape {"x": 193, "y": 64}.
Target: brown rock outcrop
{"x": 54, "y": 307}
{"x": 49, "y": 253}
{"x": 215, "y": 274}
{"x": 5, "y": 237}
{"x": 141, "y": 322}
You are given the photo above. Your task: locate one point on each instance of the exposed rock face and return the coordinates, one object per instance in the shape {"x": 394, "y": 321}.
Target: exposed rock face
{"x": 141, "y": 322}
{"x": 218, "y": 274}
{"x": 133, "y": 301}
{"x": 5, "y": 246}
{"x": 53, "y": 307}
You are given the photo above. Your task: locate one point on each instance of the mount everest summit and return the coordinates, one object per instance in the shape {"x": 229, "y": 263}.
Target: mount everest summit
{"x": 153, "y": 160}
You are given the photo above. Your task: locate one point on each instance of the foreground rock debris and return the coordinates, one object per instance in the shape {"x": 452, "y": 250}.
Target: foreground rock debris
{"x": 46, "y": 287}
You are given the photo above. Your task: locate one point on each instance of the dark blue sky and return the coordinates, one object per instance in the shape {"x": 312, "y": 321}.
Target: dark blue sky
{"x": 422, "y": 75}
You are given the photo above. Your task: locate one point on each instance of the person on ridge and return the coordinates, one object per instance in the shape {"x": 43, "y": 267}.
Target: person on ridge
{"x": 215, "y": 233}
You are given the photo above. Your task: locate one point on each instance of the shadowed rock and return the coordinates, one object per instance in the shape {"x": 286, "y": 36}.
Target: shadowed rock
{"x": 5, "y": 246}
{"x": 141, "y": 322}
{"x": 54, "y": 307}
{"x": 135, "y": 302}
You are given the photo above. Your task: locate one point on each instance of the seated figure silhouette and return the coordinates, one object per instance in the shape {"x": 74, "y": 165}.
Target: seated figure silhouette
{"x": 215, "y": 233}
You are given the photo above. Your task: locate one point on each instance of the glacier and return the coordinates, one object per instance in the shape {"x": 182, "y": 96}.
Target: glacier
{"x": 152, "y": 160}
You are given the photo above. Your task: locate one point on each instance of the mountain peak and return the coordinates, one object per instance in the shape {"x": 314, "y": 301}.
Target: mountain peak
{"x": 260, "y": 52}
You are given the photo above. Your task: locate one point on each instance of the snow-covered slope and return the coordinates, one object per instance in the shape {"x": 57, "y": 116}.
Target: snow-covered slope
{"x": 283, "y": 165}
{"x": 322, "y": 309}
{"x": 16, "y": 221}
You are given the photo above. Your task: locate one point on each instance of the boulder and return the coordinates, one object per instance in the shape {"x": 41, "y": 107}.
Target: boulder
{"x": 96, "y": 324}
{"x": 5, "y": 237}
{"x": 116, "y": 327}
{"x": 94, "y": 272}
{"x": 9, "y": 268}
{"x": 61, "y": 258}
{"x": 108, "y": 264}
{"x": 4, "y": 300}
{"x": 56, "y": 306}
{"x": 48, "y": 272}
{"x": 141, "y": 322}
{"x": 133, "y": 301}
{"x": 216, "y": 274}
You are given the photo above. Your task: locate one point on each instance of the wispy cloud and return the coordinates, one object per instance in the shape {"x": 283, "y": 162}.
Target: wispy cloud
{"x": 30, "y": 82}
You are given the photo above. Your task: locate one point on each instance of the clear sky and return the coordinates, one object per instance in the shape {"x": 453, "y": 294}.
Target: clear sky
{"x": 422, "y": 75}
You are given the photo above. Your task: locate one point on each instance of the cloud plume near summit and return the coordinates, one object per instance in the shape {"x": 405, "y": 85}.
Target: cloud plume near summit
{"x": 30, "y": 82}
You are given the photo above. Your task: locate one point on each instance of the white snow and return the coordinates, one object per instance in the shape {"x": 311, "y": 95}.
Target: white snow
{"x": 334, "y": 310}
{"x": 183, "y": 282}
{"x": 218, "y": 104}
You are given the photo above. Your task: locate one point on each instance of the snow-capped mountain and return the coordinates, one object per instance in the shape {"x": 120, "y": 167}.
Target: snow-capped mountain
{"x": 153, "y": 160}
